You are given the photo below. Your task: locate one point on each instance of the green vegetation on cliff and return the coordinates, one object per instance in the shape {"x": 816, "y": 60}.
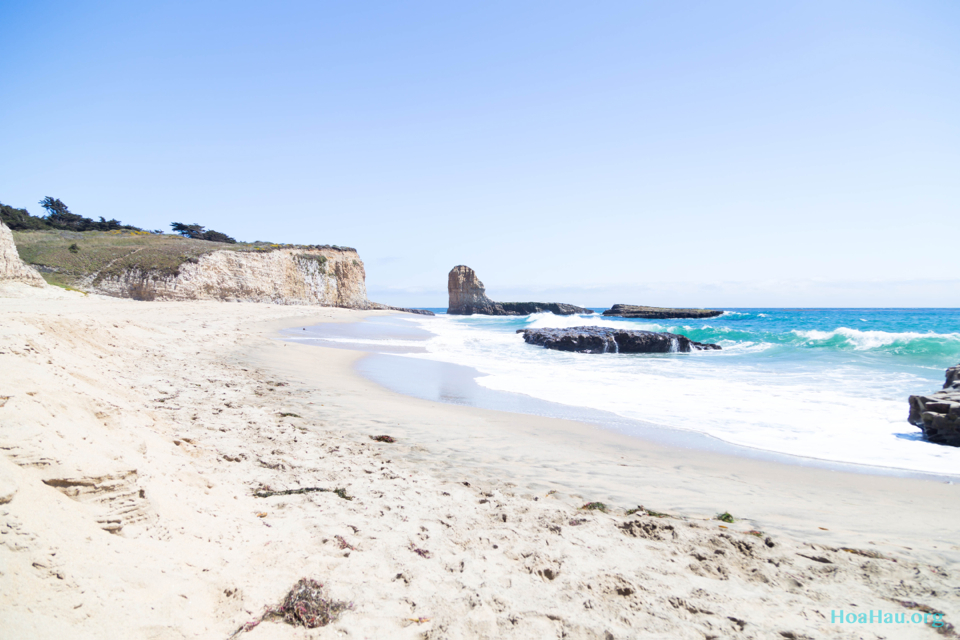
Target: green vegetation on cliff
{"x": 66, "y": 258}
{"x": 58, "y": 217}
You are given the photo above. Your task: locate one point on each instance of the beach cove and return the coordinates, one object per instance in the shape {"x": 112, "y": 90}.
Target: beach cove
{"x": 137, "y": 436}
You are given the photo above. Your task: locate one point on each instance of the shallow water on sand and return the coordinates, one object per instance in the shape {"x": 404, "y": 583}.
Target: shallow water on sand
{"x": 826, "y": 384}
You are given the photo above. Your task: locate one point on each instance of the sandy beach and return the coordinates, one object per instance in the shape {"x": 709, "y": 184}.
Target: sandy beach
{"x": 135, "y": 436}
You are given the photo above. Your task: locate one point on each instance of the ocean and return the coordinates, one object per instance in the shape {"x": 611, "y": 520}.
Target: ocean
{"x": 824, "y": 384}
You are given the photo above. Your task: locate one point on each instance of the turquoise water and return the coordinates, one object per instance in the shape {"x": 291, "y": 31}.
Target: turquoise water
{"x": 822, "y": 383}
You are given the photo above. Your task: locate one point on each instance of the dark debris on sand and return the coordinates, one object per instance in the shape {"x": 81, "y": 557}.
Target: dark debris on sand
{"x": 305, "y": 605}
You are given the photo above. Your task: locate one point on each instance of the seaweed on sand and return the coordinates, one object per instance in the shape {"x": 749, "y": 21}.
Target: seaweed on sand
{"x": 387, "y": 439}
{"x": 344, "y": 544}
{"x": 306, "y": 605}
{"x": 595, "y": 506}
{"x": 341, "y": 493}
{"x": 643, "y": 510}
{"x": 725, "y": 517}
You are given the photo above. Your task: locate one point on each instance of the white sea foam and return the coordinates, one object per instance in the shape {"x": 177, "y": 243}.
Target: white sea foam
{"x": 841, "y": 413}
{"x": 863, "y": 340}
{"x": 549, "y": 320}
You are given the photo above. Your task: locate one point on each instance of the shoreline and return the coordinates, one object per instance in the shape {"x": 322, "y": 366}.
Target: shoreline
{"x": 447, "y": 382}
{"x": 653, "y": 464}
{"x": 181, "y": 411}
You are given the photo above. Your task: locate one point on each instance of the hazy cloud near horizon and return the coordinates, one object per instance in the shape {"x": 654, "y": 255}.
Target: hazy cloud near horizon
{"x": 758, "y": 294}
{"x": 756, "y": 154}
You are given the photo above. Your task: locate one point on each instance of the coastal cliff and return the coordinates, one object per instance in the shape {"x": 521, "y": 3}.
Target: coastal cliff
{"x": 468, "y": 296}
{"x": 938, "y": 413}
{"x": 324, "y": 276}
{"x": 12, "y": 268}
{"x": 150, "y": 266}
{"x": 658, "y": 313}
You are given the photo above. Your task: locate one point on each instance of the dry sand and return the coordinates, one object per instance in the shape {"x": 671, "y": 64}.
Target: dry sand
{"x": 135, "y": 435}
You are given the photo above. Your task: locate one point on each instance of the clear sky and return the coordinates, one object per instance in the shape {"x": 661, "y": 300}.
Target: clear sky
{"x": 674, "y": 153}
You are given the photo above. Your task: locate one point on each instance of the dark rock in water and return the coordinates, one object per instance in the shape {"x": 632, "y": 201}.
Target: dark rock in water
{"x": 468, "y": 296}
{"x": 658, "y": 313}
{"x": 607, "y": 340}
{"x": 953, "y": 377}
{"x": 422, "y": 312}
{"x": 526, "y": 308}
{"x": 938, "y": 414}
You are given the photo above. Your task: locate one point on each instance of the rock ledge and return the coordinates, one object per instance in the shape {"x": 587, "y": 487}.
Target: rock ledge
{"x": 658, "y": 313}
{"x": 938, "y": 414}
{"x": 607, "y": 340}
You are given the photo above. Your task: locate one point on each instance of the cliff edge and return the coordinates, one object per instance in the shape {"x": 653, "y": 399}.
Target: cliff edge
{"x": 12, "y": 268}
{"x": 468, "y": 296}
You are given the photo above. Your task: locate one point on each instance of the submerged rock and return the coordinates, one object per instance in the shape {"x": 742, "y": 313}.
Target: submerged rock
{"x": 607, "y": 340}
{"x": 468, "y": 296}
{"x": 938, "y": 414}
{"x": 658, "y": 313}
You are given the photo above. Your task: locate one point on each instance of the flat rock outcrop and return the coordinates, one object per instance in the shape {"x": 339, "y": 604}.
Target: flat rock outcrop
{"x": 468, "y": 296}
{"x": 386, "y": 307}
{"x": 938, "y": 414}
{"x": 607, "y": 340}
{"x": 12, "y": 268}
{"x": 658, "y": 313}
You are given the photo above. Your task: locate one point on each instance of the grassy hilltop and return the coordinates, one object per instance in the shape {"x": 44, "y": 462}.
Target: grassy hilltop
{"x": 66, "y": 257}
{"x": 67, "y": 247}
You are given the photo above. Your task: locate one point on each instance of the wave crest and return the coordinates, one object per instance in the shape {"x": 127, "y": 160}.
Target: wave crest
{"x": 867, "y": 340}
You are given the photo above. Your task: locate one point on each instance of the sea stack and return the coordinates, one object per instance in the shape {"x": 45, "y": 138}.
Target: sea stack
{"x": 468, "y": 296}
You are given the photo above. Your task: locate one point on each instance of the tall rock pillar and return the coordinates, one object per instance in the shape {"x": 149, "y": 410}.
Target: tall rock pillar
{"x": 467, "y": 293}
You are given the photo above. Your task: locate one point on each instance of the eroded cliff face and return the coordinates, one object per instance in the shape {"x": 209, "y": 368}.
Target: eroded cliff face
{"x": 327, "y": 276}
{"x": 12, "y": 268}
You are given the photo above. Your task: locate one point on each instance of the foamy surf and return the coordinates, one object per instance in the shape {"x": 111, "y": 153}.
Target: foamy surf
{"x": 865, "y": 340}
{"x": 781, "y": 384}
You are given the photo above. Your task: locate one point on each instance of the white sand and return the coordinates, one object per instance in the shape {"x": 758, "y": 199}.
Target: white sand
{"x": 153, "y": 424}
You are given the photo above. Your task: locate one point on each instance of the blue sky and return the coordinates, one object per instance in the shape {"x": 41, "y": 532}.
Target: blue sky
{"x": 697, "y": 153}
